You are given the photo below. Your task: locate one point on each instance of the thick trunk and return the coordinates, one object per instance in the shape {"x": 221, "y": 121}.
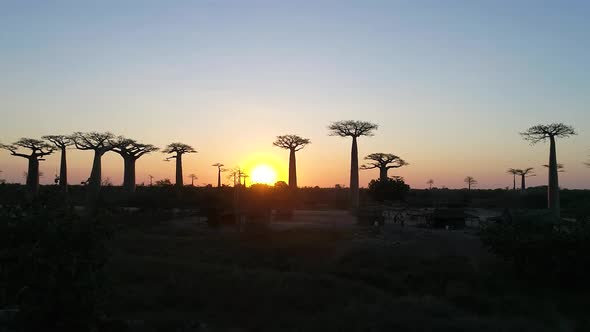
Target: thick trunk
{"x": 33, "y": 175}
{"x": 179, "y": 183}
{"x": 522, "y": 183}
{"x": 553, "y": 187}
{"x": 63, "y": 171}
{"x": 96, "y": 174}
{"x": 129, "y": 174}
{"x": 354, "y": 175}
{"x": 513, "y": 181}
{"x": 292, "y": 170}
{"x": 219, "y": 178}
{"x": 383, "y": 174}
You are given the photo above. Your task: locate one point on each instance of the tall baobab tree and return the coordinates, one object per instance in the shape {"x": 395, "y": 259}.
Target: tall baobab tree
{"x": 540, "y": 133}
{"x": 524, "y": 173}
{"x": 100, "y": 143}
{"x": 178, "y": 149}
{"x": 384, "y": 162}
{"x": 471, "y": 182}
{"x": 61, "y": 142}
{"x": 293, "y": 143}
{"x": 193, "y": 177}
{"x": 130, "y": 150}
{"x": 430, "y": 182}
{"x": 39, "y": 149}
{"x": 219, "y": 171}
{"x": 560, "y": 167}
{"x": 514, "y": 172}
{"x": 354, "y": 129}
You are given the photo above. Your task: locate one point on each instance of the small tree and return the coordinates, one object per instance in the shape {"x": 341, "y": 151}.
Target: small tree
{"x": 293, "y": 143}
{"x": 540, "y": 133}
{"x": 193, "y": 177}
{"x": 471, "y": 182}
{"x": 61, "y": 142}
{"x": 100, "y": 143}
{"x": 524, "y": 173}
{"x": 430, "y": 182}
{"x": 178, "y": 149}
{"x": 354, "y": 129}
{"x": 130, "y": 150}
{"x": 514, "y": 172}
{"x": 384, "y": 162}
{"x": 389, "y": 189}
{"x": 219, "y": 171}
{"x": 38, "y": 150}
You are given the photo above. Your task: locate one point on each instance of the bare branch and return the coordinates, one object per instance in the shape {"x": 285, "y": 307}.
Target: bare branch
{"x": 130, "y": 148}
{"x": 384, "y": 160}
{"x": 539, "y": 133}
{"x": 60, "y": 141}
{"x": 179, "y": 149}
{"x": 38, "y": 148}
{"x": 291, "y": 142}
{"x": 352, "y": 128}
{"x": 96, "y": 141}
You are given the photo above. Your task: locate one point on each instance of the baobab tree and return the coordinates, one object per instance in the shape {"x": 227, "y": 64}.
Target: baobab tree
{"x": 178, "y": 149}
{"x": 524, "y": 173}
{"x": 219, "y": 171}
{"x": 540, "y": 133}
{"x": 193, "y": 177}
{"x": 61, "y": 142}
{"x": 430, "y": 182}
{"x": 354, "y": 129}
{"x": 130, "y": 150}
{"x": 384, "y": 162}
{"x": 293, "y": 143}
{"x": 470, "y": 180}
{"x": 514, "y": 172}
{"x": 560, "y": 167}
{"x": 100, "y": 143}
{"x": 39, "y": 149}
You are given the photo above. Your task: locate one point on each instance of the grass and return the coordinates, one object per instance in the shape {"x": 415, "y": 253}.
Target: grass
{"x": 170, "y": 276}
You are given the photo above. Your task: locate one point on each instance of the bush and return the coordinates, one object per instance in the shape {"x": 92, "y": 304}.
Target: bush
{"x": 392, "y": 189}
{"x": 544, "y": 248}
{"x": 51, "y": 267}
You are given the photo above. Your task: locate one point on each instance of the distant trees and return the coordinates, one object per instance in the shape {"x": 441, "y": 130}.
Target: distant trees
{"x": 130, "y": 150}
{"x": 61, "y": 142}
{"x": 384, "y": 162}
{"x": 38, "y": 150}
{"x": 524, "y": 173}
{"x": 100, "y": 143}
{"x": 219, "y": 171}
{"x": 293, "y": 143}
{"x": 193, "y": 177}
{"x": 178, "y": 149}
{"x": 514, "y": 172}
{"x": 430, "y": 182}
{"x": 540, "y": 133}
{"x": 354, "y": 129}
{"x": 470, "y": 181}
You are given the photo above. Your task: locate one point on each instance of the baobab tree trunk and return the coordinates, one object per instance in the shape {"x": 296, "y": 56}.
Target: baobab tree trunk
{"x": 354, "y": 175}
{"x": 33, "y": 175}
{"x": 94, "y": 183}
{"x": 219, "y": 178}
{"x": 513, "y": 181}
{"x": 553, "y": 187}
{"x": 129, "y": 174}
{"x": 63, "y": 171}
{"x": 179, "y": 183}
{"x": 383, "y": 174}
{"x": 522, "y": 183}
{"x": 292, "y": 170}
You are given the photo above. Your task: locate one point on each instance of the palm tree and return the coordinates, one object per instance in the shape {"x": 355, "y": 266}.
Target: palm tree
{"x": 540, "y": 133}
{"x": 39, "y": 149}
{"x": 524, "y": 173}
{"x": 354, "y": 129}
{"x": 293, "y": 143}
{"x": 514, "y": 172}
{"x": 384, "y": 162}
{"x": 178, "y": 149}
{"x": 61, "y": 142}
{"x": 219, "y": 171}
{"x": 430, "y": 182}
{"x": 470, "y": 180}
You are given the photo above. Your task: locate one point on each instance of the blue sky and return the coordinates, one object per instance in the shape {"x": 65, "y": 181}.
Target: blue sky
{"x": 451, "y": 83}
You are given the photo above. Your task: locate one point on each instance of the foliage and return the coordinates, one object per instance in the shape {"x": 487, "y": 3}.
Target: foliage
{"x": 542, "y": 247}
{"x": 388, "y": 190}
{"x": 51, "y": 267}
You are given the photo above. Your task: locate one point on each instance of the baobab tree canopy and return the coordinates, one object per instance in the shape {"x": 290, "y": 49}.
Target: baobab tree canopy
{"x": 38, "y": 148}
{"x": 539, "y": 133}
{"x": 131, "y": 148}
{"x": 100, "y": 142}
{"x": 352, "y": 128}
{"x": 60, "y": 141}
{"x": 291, "y": 142}
{"x": 383, "y": 160}
{"x": 179, "y": 148}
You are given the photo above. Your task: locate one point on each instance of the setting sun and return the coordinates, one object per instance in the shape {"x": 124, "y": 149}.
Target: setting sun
{"x": 264, "y": 174}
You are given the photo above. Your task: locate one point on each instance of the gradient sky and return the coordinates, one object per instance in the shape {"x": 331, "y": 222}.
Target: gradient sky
{"x": 451, "y": 84}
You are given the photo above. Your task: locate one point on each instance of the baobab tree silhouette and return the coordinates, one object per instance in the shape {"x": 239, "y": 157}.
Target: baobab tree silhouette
{"x": 384, "y": 162}
{"x": 293, "y": 143}
{"x": 39, "y": 149}
{"x": 471, "y": 182}
{"x": 430, "y": 182}
{"x": 560, "y": 167}
{"x": 514, "y": 172}
{"x": 130, "y": 150}
{"x": 100, "y": 143}
{"x": 354, "y": 129}
{"x": 178, "y": 149}
{"x": 540, "y": 133}
{"x": 193, "y": 177}
{"x": 61, "y": 142}
{"x": 219, "y": 171}
{"x": 524, "y": 173}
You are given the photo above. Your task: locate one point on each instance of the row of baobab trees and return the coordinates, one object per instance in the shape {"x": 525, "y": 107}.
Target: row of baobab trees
{"x": 131, "y": 150}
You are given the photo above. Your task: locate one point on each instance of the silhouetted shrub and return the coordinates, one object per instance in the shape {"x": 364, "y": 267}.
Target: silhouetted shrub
{"x": 51, "y": 267}
{"x": 392, "y": 189}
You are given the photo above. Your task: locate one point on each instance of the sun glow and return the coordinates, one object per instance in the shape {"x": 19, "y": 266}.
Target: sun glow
{"x": 264, "y": 174}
